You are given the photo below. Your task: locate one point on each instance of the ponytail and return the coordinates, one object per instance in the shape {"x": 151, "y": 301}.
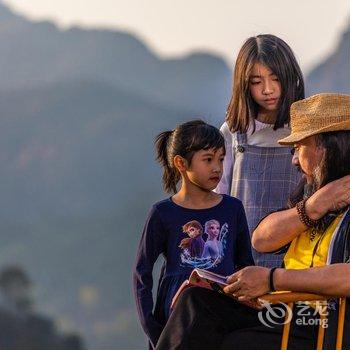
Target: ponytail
{"x": 170, "y": 174}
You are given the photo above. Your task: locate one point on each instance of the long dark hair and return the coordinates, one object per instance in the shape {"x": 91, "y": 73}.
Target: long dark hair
{"x": 334, "y": 165}
{"x": 275, "y": 54}
{"x": 185, "y": 140}
{"x": 336, "y": 161}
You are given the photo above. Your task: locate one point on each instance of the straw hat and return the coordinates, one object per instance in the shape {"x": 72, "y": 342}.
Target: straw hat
{"x": 318, "y": 114}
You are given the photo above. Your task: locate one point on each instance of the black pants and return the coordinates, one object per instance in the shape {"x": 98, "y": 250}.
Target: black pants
{"x": 203, "y": 319}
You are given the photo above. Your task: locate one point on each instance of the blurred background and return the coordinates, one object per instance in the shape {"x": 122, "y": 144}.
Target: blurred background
{"x": 84, "y": 88}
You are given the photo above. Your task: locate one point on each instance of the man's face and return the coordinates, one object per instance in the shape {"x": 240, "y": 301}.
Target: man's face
{"x": 308, "y": 156}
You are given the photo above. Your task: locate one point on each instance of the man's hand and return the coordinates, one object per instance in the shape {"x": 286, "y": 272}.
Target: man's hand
{"x": 332, "y": 197}
{"x": 248, "y": 283}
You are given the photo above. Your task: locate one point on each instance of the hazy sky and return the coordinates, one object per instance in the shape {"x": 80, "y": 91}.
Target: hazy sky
{"x": 175, "y": 27}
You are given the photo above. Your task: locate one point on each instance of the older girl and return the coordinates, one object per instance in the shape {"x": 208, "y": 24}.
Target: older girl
{"x": 258, "y": 171}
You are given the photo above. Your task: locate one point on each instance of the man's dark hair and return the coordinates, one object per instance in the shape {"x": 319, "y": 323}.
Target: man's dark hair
{"x": 334, "y": 165}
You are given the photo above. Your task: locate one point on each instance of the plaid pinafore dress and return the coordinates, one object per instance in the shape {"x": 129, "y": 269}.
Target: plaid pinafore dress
{"x": 262, "y": 178}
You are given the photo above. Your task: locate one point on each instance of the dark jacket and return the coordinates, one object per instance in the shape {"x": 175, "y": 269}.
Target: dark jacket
{"x": 340, "y": 254}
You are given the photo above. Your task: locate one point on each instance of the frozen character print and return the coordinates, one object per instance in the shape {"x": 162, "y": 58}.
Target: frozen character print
{"x": 194, "y": 244}
{"x": 202, "y": 254}
{"x": 212, "y": 246}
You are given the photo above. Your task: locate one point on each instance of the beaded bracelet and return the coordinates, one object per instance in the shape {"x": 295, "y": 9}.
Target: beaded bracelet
{"x": 303, "y": 217}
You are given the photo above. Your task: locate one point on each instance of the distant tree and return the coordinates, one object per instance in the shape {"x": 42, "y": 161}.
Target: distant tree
{"x": 15, "y": 287}
{"x": 20, "y": 327}
{"x": 72, "y": 342}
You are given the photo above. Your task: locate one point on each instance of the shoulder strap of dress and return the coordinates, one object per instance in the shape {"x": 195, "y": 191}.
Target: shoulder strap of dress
{"x": 241, "y": 138}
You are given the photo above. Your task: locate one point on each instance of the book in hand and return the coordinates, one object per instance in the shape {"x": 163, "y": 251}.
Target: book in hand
{"x": 210, "y": 280}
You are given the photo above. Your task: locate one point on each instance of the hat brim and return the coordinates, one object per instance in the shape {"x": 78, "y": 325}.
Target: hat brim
{"x": 298, "y": 136}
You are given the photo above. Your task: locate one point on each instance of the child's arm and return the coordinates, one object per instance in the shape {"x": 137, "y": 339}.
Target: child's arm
{"x": 152, "y": 244}
{"x": 243, "y": 254}
{"x": 224, "y": 186}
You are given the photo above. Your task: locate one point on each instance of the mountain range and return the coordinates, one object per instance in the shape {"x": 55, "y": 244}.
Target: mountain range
{"x": 79, "y": 112}
{"x": 332, "y": 74}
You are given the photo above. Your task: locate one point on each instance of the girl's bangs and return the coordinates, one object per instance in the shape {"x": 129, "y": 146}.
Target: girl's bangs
{"x": 207, "y": 137}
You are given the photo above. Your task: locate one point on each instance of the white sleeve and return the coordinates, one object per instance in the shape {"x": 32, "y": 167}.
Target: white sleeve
{"x": 224, "y": 186}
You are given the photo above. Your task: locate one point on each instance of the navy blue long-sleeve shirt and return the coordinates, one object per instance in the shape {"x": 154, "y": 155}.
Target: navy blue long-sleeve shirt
{"x": 216, "y": 239}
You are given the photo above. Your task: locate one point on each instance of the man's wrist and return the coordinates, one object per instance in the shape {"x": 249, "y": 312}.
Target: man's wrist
{"x": 272, "y": 287}
{"x": 278, "y": 278}
{"x": 312, "y": 210}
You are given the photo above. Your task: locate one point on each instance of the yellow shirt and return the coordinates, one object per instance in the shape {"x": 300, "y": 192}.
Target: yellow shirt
{"x": 304, "y": 253}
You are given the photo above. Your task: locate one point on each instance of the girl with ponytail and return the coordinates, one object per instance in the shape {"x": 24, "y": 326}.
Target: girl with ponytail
{"x": 192, "y": 160}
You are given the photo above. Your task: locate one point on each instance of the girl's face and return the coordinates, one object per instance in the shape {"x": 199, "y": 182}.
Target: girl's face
{"x": 206, "y": 168}
{"x": 265, "y": 88}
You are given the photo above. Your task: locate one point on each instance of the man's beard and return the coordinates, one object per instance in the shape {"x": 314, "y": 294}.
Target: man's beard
{"x": 314, "y": 183}
{"x": 317, "y": 176}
